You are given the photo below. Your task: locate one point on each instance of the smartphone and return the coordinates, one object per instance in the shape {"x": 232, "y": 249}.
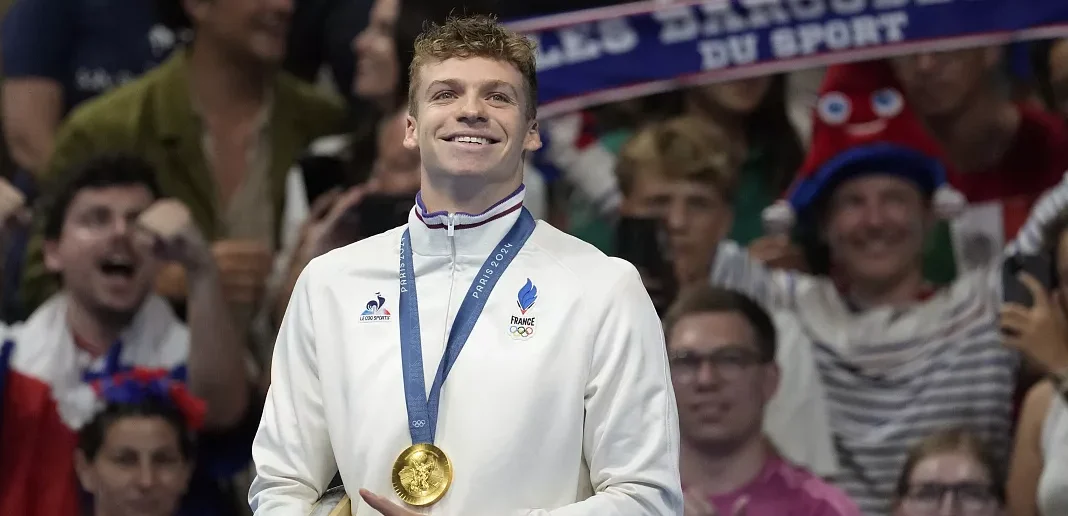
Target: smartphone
{"x": 374, "y": 214}
{"x": 1038, "y": 265}
{"x": 643, "y": 243}
{"x": 322, "y": 174}
{"x": 378, "y": 213}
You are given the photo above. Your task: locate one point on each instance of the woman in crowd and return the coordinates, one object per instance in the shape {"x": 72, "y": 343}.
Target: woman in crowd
{"x": 753, "y": 112}
{"x": 1038, "y": 477}
{"x": 135, "y": 453}
{"x": 951, "y": 473}
{"x": 1050, "y": 64}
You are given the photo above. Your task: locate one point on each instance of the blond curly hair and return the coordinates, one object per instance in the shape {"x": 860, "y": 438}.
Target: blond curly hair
{"x": 684, "y": 148}
{"x": 475, "y": 36}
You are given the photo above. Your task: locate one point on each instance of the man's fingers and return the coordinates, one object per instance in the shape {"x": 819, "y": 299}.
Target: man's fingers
{"x": 1011, "y": 341}
{"x": 1016, "y": 312}
{"x": 376, "y": 502}
{"x": 386, "y": 507}
{"x": 11, "y": 200}
{"x": 1015, "y": 316}
{"x": 166, "y": 218}
{"x": 345, "y": 202}
{"x": 321, "y": 205}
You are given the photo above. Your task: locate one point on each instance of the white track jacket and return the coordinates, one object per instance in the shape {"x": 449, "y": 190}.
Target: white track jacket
{"x": 563, "y": 409}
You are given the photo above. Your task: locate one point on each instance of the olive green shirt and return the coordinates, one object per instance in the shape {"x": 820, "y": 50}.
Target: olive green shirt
{"x": 153, "y": 117}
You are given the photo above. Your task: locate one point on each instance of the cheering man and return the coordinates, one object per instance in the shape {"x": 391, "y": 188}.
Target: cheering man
{"x": 529, "y": 376}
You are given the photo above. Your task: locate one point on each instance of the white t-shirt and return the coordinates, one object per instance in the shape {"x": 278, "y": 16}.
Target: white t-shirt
{"x": 1053, "y": 484}
{"x": 796, "y": 420}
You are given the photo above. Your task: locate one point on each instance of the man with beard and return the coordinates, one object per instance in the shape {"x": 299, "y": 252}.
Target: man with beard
{"x": 722, "y": 350}
{"x": 106, "y": 234}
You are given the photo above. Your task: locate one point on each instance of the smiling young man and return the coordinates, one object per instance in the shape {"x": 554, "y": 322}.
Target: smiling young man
{"x": 898, "y": 358}
{"x": 560, "y": 402}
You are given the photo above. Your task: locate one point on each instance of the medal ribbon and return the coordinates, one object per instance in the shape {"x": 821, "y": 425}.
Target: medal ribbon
{"x": 423, "y": 410}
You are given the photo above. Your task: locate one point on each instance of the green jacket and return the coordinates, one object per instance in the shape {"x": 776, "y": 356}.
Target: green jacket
{"x": 153, "y": 117}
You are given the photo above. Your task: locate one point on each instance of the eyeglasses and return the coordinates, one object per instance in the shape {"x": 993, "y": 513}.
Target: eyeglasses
{"x": 728, "y": 363}
{"x": 972, "y": 498}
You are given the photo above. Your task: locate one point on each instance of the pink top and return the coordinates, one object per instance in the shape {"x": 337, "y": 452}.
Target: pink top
{"x": 782, "y": 489}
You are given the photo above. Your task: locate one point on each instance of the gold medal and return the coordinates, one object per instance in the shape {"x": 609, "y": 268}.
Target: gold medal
{"x": 421, "y": 474}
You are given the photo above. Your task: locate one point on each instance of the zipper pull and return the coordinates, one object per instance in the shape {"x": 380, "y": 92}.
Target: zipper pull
{"x": 452, "y": 224}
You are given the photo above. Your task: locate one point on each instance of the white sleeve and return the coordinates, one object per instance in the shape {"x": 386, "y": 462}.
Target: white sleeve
{"x": 293, "y": 457}
{"x": 797, "y": 419}
{"x": 1029, "y": 240}
{"x": 631, "y": 434}
{"x": 734, "y": 269}
{"x": 1031, "y": 237}
{"x": 295, "y": 212}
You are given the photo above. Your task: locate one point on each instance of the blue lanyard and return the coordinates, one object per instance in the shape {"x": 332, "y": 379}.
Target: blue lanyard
{"x": 423, "y": 410}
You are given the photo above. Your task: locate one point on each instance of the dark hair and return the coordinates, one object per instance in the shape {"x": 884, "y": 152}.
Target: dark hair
{"x": 702, "y": 299}
{"x": 1052, "y": 234}
{"x": 949, "y": 441}
{"x": 100, "y": 172}
{"x": 769, "y": 128}
{"x": 171, "y": 13}
{"x": 91, "y": 437}
{"x": 411, "y": 20}
{"x": 1040, "y": 54}
{"x": 770, "y": 125}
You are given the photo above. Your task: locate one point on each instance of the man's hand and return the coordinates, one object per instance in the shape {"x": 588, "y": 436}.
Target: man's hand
{"x": 13, "y": 210}
{"x": 322, "y": 231}
{"x": 243, "y": 269}
{"x": 168, "y": 228}
{"x": 1040, "y": 331}
{"x": 778, "y": 252}
{"x": 386, "y": 507}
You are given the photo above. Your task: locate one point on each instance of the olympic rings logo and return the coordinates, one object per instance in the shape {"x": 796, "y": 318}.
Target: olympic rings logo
{"x": 419, "y": 423}
{"x": 521, "y": 331}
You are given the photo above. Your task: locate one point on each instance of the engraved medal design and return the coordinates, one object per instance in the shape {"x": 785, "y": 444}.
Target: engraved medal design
{"x": 421, "y": 474}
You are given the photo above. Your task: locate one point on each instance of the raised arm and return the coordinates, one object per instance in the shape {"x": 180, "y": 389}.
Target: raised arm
{"x": 733, "y": 268}
{"x": 1030, "y": 238}
{"x": 37, "y": 40}
{"x": 292, "y": 451}
{"x": 216, "y": 354}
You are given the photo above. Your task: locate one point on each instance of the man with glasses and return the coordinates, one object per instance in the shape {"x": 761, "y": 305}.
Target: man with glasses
{"x": 722, "y": 350}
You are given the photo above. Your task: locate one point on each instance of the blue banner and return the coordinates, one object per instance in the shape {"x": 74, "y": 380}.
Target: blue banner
{"x": 615, "y": 53}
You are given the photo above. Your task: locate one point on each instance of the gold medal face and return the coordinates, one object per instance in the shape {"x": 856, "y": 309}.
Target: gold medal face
{"x": 421, "y": 474}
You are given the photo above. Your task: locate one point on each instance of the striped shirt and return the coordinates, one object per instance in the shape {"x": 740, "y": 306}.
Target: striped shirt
{"x": 894, "y": 375}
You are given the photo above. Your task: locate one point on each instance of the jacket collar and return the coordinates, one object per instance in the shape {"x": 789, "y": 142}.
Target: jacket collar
{"x": 441, "y": 233}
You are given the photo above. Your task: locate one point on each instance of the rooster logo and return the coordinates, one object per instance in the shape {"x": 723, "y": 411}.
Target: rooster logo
{"x": 376, "y": 306}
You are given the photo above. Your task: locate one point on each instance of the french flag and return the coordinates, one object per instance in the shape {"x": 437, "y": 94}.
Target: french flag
{"x": 36, "y": 447}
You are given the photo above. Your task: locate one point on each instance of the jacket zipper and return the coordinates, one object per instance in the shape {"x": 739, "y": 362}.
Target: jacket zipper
{"x": 451, "y": 232}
